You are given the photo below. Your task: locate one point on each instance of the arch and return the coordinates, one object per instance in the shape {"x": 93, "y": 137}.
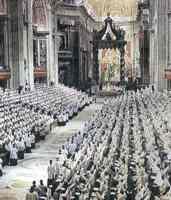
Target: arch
{"x": 39, "y": 8}
{"x": 3, "y": 7}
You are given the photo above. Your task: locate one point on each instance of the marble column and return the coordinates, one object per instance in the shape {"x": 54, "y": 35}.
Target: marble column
{"x": 21, "y": 44}
{"x": 6, "y": 47}
{"x": 57, "y": 45}
{"x": 11, "y": 39}
{"x": 151, "y": 61}
{"x": 49, "y": 48}
{"x": 53, "y": 47}
{"x": 30, "y": 75}
{"x": 162, "y": 45}
{"x": 27, "y": 76}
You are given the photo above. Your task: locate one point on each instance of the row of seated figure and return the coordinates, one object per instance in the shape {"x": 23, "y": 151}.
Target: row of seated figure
{"x": 121, "y": 153}
{"x": 27, "y": 117}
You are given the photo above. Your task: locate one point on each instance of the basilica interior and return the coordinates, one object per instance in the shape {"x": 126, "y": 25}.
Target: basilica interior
{"x": 85, "y": 100}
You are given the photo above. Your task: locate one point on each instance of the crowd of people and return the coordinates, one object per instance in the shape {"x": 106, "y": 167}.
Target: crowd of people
{"x": 25, "y": 117}
{"x": 122, "y": 153}
{"x": 37, "y": 192}
{"x": 59, "y": 102}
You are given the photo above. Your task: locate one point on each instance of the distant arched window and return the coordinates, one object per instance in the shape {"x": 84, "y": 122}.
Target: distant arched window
{"x": 39, "y": 13}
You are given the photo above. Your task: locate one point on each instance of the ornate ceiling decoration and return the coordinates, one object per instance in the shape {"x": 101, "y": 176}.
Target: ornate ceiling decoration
{"x": 120, "y": 8}
{"x": 39, "y": 12}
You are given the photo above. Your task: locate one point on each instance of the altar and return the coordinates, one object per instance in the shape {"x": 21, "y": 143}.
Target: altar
{"x": 109, "y": 56}
{"x": 109, "y": 68}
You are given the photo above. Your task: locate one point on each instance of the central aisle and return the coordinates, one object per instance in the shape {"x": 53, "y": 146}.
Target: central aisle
{"x": 34, "y": 166}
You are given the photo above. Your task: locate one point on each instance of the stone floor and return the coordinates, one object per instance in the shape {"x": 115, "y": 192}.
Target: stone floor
{"x": 16, "y": 180}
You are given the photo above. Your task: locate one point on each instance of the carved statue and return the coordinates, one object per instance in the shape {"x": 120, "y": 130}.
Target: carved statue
{"x": 108, "y": 20}
{"x": 58, "y": 42}
{"x": 122, "y": 34}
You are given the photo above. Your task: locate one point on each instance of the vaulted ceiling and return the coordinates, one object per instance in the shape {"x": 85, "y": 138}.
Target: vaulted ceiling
{"x": 115, "y": 7}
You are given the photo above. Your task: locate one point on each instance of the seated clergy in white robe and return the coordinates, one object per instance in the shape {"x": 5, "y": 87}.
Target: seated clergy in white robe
{"x": 32, "y": 138}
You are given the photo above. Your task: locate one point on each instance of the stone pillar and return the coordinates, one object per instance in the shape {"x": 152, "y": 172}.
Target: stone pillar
{"x": 122, "y": 65}
{"x": 53, "y": 47}
{"x": 50, "y": 49}
{"x": 26, "y": 44}
{"x": 12, "y": 22}
{"x": 56, "y": 62}
{"x": 151, "y": 61}
{"x": 30, "y": 46}
{"x": 162, "y": 52}
{"x": 136, "y": 55}
{"x": 21, "y": 45}
{"x": 6, "y": 47}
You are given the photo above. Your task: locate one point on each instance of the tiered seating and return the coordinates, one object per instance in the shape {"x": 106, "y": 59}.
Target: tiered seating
{"x": 17, "y": 134}
{"x": 122, "y": 153}
{"x": 24, "y": 117}
{"x": 59, "y": 102}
